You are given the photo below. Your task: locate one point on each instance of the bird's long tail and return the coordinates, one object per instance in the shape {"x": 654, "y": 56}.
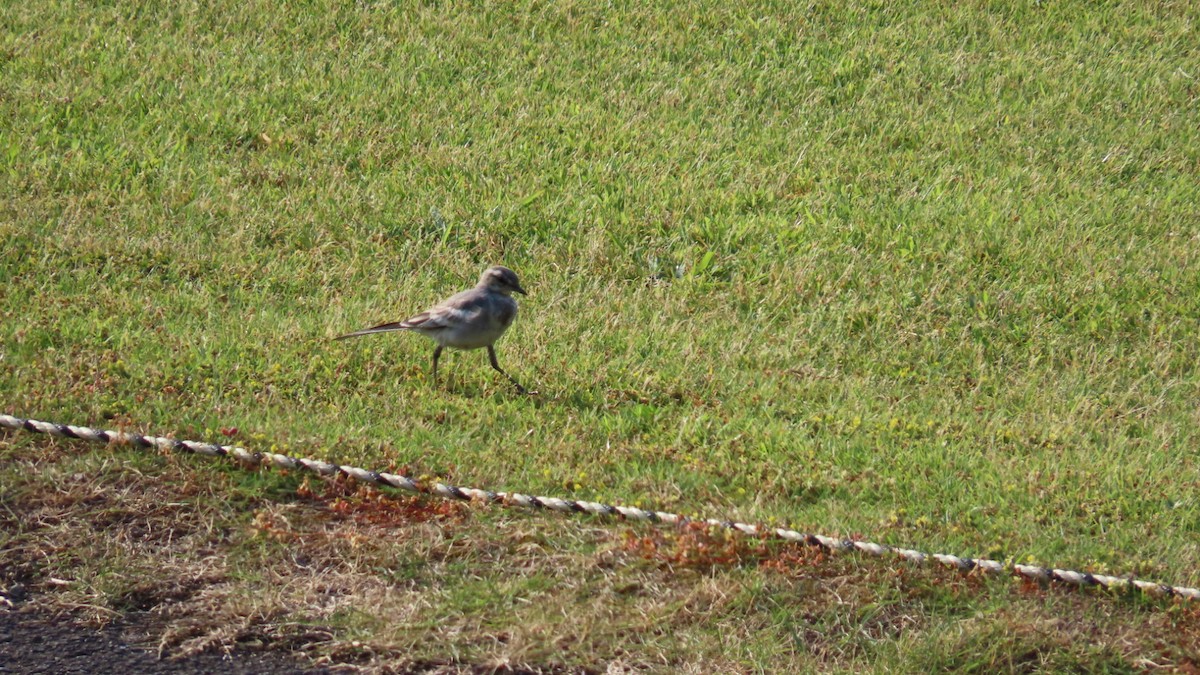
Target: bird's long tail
{"x": 381, "y": 328}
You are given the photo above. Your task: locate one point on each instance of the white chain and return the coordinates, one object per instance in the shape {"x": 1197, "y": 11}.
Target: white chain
{"x": 1033, "y": 572}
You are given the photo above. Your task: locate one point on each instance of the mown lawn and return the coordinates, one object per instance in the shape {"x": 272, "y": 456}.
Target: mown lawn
{"x": 926, "y": 274}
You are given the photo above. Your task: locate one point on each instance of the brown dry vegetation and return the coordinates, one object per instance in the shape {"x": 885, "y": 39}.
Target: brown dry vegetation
{"x": 222, "y": 558}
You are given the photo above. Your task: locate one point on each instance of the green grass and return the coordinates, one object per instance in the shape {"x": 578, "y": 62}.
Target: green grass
{"x": 925, "y": 274}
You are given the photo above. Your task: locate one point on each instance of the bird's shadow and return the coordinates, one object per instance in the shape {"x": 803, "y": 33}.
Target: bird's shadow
{"x": 497, "y": 388}
{"x": 463, "y": 377}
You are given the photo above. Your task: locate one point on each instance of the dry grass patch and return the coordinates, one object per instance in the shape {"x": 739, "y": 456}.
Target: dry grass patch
{"x": 218, "y": 558}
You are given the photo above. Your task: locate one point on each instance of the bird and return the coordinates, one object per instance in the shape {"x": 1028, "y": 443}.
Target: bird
{"x": 474, "y": 318}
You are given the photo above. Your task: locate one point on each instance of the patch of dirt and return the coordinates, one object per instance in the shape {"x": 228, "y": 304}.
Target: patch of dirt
{"x": 32, "y": 641}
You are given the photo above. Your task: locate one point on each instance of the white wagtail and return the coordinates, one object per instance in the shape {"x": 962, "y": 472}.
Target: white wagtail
{"x": 468, "y": 320}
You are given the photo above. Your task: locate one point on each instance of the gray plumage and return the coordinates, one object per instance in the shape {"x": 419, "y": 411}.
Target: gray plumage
{"x": 471, "y": 319}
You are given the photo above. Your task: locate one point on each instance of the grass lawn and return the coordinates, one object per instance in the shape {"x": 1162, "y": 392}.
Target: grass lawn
{"x": 927, "y": 274}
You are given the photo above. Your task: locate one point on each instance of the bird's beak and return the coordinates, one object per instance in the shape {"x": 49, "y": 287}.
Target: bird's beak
{"x": 520, "y": 290}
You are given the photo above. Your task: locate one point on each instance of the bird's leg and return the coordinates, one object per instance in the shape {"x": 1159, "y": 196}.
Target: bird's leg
{"x": 496, "y": 365}
{"x": 437, "y": 352}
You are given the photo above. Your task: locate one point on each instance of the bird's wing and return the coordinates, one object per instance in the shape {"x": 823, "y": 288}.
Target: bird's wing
{"x": 461, "y": 308}
{"x": 446, "y": 315}
{"x": 457, "y": 310}
{"x": 432, "y": 319}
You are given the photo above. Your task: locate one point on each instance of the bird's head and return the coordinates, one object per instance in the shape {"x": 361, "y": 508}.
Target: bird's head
{"x": 501, "y": 279}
